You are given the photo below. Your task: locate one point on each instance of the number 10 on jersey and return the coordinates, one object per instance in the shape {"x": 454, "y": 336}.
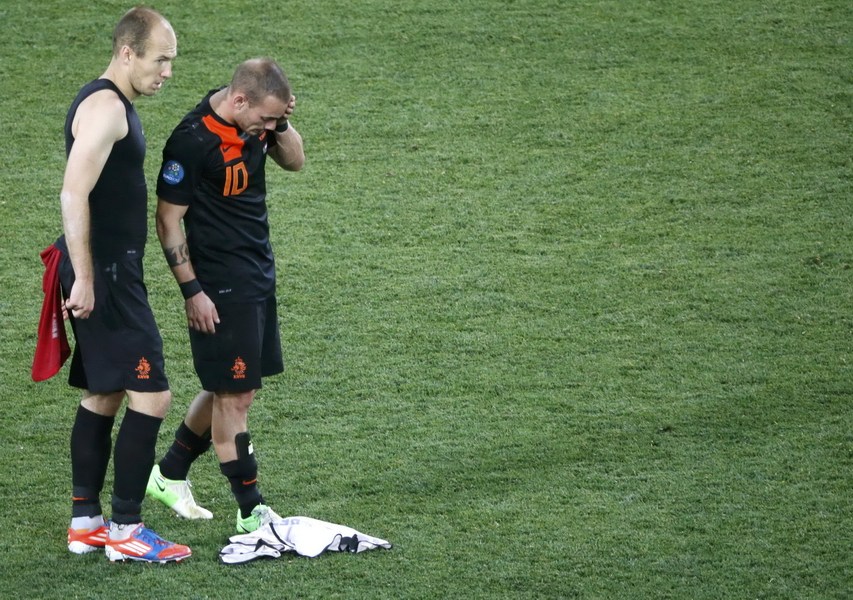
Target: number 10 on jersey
{"x": 236, "y": 179}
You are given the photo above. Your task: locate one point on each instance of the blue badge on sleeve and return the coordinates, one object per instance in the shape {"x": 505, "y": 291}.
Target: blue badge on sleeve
{"x": 173, "y": 172}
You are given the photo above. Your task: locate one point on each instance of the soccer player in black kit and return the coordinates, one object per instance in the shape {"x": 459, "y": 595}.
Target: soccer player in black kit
{"x": 212, "y": 180}
{"x": 118, "y": 350}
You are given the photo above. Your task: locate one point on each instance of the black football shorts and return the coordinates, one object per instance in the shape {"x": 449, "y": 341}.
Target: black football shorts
{"x": 119, "y": 346}
{"x": 245, "y": 347}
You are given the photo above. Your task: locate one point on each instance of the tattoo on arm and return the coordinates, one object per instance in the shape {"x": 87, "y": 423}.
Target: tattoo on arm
{"x": 177, "y": 256}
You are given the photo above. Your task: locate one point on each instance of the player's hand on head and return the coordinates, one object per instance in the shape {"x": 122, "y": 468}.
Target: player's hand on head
{"x": 289, "y": 108}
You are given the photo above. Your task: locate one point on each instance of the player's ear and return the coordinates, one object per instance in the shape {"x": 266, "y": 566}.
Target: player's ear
{"x": 240, "y": 102}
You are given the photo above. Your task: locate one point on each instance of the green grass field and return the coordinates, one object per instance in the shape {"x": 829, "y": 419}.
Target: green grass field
{"x": 565, "y": 287}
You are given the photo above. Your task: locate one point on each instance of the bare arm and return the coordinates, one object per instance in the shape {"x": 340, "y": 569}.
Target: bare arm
{"x": 201, "y": 311}
{"x": 99, "y": 123}
{"x": 288, "y": 152}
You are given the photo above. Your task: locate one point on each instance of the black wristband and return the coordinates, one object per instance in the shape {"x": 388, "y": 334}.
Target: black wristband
{"x": 282, "y": 127}
{"x": 190, "y": 288}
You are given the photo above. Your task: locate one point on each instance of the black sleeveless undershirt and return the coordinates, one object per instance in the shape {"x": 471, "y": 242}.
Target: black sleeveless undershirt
{"x": 118, "y": 204}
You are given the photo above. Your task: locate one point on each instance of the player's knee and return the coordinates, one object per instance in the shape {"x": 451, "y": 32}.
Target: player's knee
{"x": 239, "y": 402}
{"x": 103, "y": 404}
{"x": 154, "y": 404}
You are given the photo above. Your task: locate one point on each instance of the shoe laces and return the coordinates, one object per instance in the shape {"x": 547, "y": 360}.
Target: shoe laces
{"x": 151, "y": 538}
{"x": 182, "y": 487}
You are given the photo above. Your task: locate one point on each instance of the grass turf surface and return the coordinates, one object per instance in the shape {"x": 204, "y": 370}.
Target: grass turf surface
{"x": 565, "y": 293}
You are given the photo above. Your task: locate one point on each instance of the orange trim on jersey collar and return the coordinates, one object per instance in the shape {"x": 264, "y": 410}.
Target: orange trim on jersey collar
{"x": 231, "y": 144}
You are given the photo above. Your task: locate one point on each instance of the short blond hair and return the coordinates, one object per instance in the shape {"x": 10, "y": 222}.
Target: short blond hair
{"x": 134, "y": 29}
{"x": 258, "y": 78}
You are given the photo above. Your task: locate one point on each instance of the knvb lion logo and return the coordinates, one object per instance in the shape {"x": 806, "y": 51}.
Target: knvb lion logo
{"x": 143, "y": 369}
{"x": 239, "y": 369}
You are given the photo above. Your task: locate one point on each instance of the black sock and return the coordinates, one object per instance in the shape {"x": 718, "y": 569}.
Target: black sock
{"x": 133, "y": 460}
{"x": 242, "y": 474}
{"x": 244, "y": 485}
{"x": 91, "y": 442}
{"x": 182, "y": 453}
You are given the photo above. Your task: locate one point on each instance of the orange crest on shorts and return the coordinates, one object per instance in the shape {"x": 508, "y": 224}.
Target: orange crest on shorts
{"x": 239, "y": 368}
{"x": 143, "y": 369}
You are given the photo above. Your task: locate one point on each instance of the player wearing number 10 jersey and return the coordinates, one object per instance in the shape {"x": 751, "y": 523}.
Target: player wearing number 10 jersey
{"x": 212, "y": 179}
{"x": 217, "y": 171}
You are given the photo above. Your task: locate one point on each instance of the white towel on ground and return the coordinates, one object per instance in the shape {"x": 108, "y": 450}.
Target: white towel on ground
{"x": 302, "y": 535}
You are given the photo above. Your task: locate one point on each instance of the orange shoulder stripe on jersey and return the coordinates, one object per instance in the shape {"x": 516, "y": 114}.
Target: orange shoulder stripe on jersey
{"x": 230, "y": 143}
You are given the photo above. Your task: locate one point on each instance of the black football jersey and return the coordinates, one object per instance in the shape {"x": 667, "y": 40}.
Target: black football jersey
{"x": 217, "y": 171}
